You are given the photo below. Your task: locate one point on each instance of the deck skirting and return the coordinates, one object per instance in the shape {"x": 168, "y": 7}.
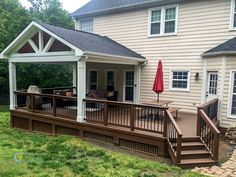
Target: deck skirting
{"x": 150, "y": 143}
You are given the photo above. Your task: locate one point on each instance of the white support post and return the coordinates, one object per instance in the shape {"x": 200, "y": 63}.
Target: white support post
{"x": 74, "y": 77}
{"x": 12, "y": 84}
{"x": 81, "y": 89}
{"x": 137, "y": 74}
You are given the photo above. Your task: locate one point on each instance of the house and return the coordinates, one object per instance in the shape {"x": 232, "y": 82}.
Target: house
{"x": 114, "y": 51}
{"x": 183, "y": 34}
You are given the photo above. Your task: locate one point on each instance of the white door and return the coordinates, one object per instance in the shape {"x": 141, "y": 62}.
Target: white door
{"x": 212, "y": 82}
{"x": 128, "y": 86}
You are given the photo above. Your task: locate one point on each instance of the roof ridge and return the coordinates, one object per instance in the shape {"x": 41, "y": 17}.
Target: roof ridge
{"x": 72, "y": 29}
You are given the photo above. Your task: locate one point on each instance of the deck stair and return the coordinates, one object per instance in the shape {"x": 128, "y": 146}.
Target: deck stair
{"x": 194, "y": 153}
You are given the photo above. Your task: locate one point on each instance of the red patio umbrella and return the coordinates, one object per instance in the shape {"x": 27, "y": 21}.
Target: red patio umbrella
{"x": 158, "y": 85}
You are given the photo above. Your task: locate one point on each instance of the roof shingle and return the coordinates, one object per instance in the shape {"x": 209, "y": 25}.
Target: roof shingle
{"x": 104, "y": 6}
{"x": 89, "y": 42}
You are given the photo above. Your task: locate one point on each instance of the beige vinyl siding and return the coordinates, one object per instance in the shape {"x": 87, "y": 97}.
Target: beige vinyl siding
{"x": 102, "y": 68}
{"x": 225, "y": 121}
{"x": 201, "y": 25}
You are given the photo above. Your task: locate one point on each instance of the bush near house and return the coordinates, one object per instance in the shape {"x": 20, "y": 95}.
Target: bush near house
{"x": 27, "y": 154}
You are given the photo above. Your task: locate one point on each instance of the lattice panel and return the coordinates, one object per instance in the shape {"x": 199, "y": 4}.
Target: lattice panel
{"x": 98, "y": 137}
{"x": 141, "y": 147}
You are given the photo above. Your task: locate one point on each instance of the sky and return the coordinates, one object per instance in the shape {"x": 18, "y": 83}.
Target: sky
{"x": 69, "y": 5}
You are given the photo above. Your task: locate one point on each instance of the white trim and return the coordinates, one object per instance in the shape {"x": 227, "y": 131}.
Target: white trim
{"x": 162, "y": 22}
{"x": 222, "y": 83}
{"x": 33, "y": 45}
{"x": 23, "y": 34}
{"x": 188, "y": 81}
{"x": 204, "y": 81}
{"x": 119, "y": 57}
{"x": 232, "y": 12}
{"x": 124, "y": 83}
{"x": 137, "y": 75}
{"x": 49, "y": 44}
{"x": 115, "y": 79}
{"x": 229, "y": 115}
{"x": 41, "y": 42}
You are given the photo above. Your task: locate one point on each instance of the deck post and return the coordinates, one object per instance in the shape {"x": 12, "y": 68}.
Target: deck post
{"x": 81, "y": 89}
{"x": 198, "y": 122}
{"x": 12, "y": 84}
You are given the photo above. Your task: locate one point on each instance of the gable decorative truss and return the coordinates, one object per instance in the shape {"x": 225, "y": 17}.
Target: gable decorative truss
{"x": 35, "y": 40}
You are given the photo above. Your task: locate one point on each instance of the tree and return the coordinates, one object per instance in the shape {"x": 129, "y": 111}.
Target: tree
{"x": 13, "y": 18}
{"x": 50, "y": 11}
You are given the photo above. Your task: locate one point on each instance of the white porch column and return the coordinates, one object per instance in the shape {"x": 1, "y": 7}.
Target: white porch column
{"x": 12, "y": 84}
{"x": 137, "y": 74}
{"x": 74, "y": 77}
{"x": 81, "y": 89}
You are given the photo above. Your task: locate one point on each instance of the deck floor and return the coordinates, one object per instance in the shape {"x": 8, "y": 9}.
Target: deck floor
{"x": 186, "y": 121}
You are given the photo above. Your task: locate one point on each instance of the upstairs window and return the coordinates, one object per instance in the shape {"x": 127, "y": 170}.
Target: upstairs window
{"x": 163, "y": 21}
{"x": 86, "y": 25}
{"x": 233, "y": 15}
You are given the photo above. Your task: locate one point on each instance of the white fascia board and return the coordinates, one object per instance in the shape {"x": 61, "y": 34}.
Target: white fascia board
{"x": 107, "y": 58}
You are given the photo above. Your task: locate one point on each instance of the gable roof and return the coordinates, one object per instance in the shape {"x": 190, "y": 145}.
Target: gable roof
{"x": 99, "y": 7}
{"x": 86, "y": 42}
{"x": 227, "y": 48}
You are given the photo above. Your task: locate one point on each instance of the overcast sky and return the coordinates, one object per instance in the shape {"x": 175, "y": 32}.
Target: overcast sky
{"x": 69, "y": 5}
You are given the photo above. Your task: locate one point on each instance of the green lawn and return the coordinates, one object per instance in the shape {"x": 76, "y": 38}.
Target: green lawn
{"x": 42, "y": 156}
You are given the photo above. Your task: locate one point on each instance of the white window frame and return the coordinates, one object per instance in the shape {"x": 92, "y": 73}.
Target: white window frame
{"x": 89, "y": 79}
{"x": 188, "y": 81}
{"x": 113, "y": 70}
{"x": 232, "y": 12}
{"x": 86, "y": 19}
{"x": 162, "y": 25}
{"x": 229, "y": 115}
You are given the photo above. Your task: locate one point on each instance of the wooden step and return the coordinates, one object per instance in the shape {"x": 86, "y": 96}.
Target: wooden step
{"x": 203, "y": 162}
{"x": 191, "y": 146}
{"x": 191, "y": 139}
{"x": 194, "y": 154}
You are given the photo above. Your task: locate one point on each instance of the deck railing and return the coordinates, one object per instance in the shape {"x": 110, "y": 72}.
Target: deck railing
{"x": 174, "y": 138}
{"x": 58, "y": 106}
{"x": 127, "y": 115}
{"x": 206, "y": 129}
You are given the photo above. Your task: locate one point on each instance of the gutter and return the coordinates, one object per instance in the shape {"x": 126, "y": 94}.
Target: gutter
{"x": 88, "y": 53}
{"x": 126, "y": 8}
{"x": 214, "y": 54}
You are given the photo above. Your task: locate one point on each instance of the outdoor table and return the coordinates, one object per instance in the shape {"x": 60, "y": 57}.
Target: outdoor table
{"x": 159, "y": 103}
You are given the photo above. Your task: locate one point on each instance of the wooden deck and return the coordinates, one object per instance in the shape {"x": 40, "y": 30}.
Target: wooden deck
{"x": 190, "y": 139}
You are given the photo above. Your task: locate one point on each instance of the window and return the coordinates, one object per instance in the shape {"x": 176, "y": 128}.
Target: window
{"x": 233, "y": 95}
{"x": 129, "y": 86}
{"x": 86, "y": 25}
{"x": 163, "y": 21}
{"x": 93, "y": 78}
{"x": 233, "y": 15}
{"x": 110, "y": 80}
{"x": 180, "y": 80}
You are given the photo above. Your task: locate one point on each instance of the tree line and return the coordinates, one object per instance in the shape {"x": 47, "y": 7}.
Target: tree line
{"x": 13, "y": 19}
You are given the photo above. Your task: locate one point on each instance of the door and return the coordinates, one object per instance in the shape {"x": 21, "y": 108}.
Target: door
{"x": 212, "y": 82}
{"x": 129, "y": 86}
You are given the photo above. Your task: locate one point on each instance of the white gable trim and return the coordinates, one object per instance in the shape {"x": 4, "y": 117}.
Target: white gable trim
{"x": 21, "y": 36}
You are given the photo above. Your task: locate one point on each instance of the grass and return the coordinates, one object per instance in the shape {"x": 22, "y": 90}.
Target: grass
{"x": 43, "y": 156}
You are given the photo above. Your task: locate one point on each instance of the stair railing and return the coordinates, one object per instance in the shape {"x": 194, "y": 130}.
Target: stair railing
{"x": 206, "y": 129}
{"x": 174, "y": 137}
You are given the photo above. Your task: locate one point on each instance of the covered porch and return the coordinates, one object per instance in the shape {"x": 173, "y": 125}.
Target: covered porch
{"x": 103, "y": 102}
